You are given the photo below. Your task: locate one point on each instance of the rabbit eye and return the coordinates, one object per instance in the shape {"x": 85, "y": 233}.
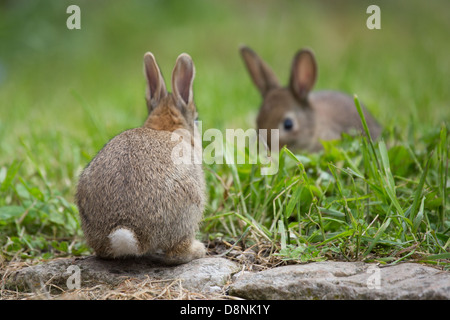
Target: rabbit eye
{"x": 288, "y": 124}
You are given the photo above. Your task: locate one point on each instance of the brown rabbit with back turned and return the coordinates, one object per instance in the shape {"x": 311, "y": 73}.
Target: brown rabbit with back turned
{"x": 303, "y": 118}
{"x": 132, "y": 198}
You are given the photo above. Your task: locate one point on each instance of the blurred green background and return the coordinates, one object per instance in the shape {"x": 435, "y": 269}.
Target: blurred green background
{"x": 64, "y": 93}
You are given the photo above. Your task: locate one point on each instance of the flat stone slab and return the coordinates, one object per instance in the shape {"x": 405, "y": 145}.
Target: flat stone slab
{"x": 214, "y": 275}
{"x": 207, "y": 275}
{"x": 344, "y": 280}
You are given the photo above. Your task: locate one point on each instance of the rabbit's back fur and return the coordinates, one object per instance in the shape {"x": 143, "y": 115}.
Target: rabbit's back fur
{"x": 119, "y": 190}
{"x": 336, "y": 113}
{"x": 135, "y": 197}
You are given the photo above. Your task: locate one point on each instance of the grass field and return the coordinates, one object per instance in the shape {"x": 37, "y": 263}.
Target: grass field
{"x": 65, "y": 93}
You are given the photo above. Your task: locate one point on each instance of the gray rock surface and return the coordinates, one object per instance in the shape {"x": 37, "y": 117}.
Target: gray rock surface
{"x": 344, "y": 280}
{"x": 203, "y": 275}
{"x": 321, "y": 280}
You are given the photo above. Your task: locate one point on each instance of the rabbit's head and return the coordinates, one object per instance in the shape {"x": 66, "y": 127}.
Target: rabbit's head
{"x": 285, "y": 108}
{"x": 170, "y": 111}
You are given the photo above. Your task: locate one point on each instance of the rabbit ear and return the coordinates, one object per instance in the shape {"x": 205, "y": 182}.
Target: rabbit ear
{"x": 262, "y": 75}
{"x": 182, "y": 80}
{"x": 303, "y": 73}
{"x": 156, "y": 88}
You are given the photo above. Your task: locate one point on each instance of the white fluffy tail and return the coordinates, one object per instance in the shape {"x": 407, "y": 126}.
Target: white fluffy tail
{"x": 123, "y": 243}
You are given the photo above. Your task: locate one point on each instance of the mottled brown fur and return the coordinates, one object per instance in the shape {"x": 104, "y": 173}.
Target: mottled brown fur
{"x": 133, "y": 184}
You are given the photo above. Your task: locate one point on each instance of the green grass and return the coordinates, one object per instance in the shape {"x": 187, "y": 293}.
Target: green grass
{"x": 63, "y": 94}
{"x": 345, "y": 203}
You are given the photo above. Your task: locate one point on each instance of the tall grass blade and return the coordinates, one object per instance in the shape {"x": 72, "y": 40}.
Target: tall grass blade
{"x": 282, "y": 232}
{"x": 365, "y": 127}
{"x": 443, "y": 148}
{"x": 418, "y": 193}
{"x": 10, "y": 175}
{"x": 419, "y": 217}
{"x": 378, "y": 236}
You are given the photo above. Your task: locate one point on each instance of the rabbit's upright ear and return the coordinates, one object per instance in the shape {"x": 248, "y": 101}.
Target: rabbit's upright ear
{"x": 303, "y": 74}
{"x": 182, "y": 80}
{"x": 156, "y": 88}
{"x": 262, "y": 75}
